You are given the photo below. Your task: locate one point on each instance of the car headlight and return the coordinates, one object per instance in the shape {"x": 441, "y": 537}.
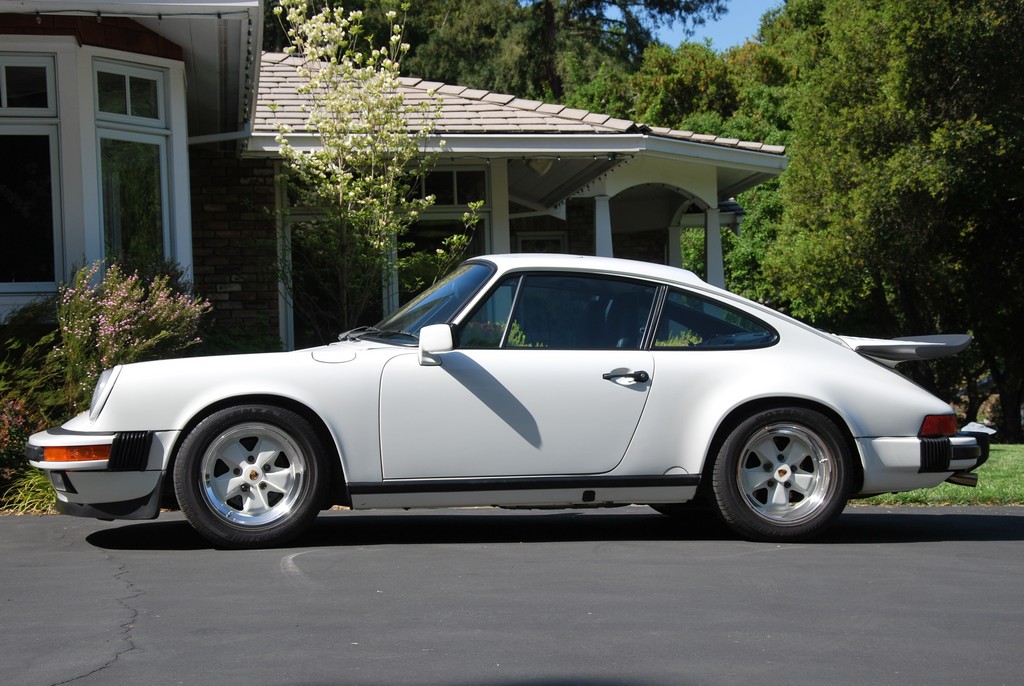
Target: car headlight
{"x": 102, "y": 391}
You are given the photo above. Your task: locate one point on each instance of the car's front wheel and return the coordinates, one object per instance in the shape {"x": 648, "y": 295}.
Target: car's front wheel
{"x": 251, "y": 476}
{"x": 782, "y": 475}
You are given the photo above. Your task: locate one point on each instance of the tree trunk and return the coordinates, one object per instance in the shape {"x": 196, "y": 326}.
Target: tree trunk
{"x": 549, "y": 37}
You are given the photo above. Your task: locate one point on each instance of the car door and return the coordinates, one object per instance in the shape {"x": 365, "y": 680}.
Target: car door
{"x": 550, "y": 377}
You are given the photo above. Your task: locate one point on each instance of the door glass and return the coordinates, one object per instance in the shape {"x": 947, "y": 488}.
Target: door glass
{"x": 486, "y": 328}
{"x": 563, "y": 312}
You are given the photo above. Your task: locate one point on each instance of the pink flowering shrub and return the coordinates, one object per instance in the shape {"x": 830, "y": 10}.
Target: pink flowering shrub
{"x": 117, "y": 320}
{"x": 15, "y": 427}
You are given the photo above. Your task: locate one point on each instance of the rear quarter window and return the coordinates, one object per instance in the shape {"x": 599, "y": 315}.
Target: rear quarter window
{"x": 689, "y": 321}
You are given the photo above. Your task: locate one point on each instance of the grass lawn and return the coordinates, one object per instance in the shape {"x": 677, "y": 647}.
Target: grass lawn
{"x": 1000, "y": 482}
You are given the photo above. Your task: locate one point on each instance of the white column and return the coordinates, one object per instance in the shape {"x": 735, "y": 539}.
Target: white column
{"x": 675, "y": 255}
{"x": 602, "y": 227}
{"x": 500, "y": 238}
{"x": 713, "y": 248}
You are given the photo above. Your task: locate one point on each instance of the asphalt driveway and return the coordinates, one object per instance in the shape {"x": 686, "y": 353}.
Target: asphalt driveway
{"x": 891, "y": 596}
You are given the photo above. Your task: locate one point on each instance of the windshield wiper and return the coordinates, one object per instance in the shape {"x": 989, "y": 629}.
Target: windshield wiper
{"x": 355, "y": 334}
{"x": 361, "y": 332}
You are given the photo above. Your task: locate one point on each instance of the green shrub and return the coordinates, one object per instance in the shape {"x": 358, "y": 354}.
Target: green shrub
{"x": 55, "y": 349}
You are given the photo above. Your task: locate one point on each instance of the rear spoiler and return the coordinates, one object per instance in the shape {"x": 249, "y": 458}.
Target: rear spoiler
{"x": 892, "y": 352}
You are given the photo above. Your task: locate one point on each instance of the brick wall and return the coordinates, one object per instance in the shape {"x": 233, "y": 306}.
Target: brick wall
{"x": 234, "y": 240}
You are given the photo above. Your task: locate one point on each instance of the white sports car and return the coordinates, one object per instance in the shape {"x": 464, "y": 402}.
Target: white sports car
{"x": 520, "y": 381}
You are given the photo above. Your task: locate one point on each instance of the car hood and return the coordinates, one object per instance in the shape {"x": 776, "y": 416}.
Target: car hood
{"x": 893, "y": 351}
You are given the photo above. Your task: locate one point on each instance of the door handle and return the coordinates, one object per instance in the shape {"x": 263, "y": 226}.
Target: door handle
{"x": 640, "y": 376}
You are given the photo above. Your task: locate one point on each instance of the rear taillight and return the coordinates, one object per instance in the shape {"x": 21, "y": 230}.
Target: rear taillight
{"x": 938, "y": 425}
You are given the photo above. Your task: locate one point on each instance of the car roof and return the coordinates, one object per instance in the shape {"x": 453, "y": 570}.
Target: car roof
{"x": 633, "y": 268}
{"x": 588, "y": 263}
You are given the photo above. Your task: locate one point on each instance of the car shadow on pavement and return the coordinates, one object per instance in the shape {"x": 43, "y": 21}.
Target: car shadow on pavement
{"x": 857, "y": 526}
{"x": 869, "y": 525}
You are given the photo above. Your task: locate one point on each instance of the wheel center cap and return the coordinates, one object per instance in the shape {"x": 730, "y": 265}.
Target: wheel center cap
{"x": 782, "y": 473}
{"x": 254, "y": 475}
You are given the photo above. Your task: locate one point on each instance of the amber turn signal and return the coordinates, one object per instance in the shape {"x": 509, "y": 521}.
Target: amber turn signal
{"x": 76, "y": 453}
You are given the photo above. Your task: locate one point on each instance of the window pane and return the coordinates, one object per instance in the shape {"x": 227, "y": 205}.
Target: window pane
{"x": 112, "y": 92}
{"x": 132, "y": 200}
{"x": 486, "y": 327}
{"x": 440, "y": 185}
{"x": 26, "y": 86}
{"x": 691, "y": 322}
{"x": 144, "y": 98}
{"x": 26, "y": 206}
{"x": 580, "y": 313}
{"x": 471, "y": 186}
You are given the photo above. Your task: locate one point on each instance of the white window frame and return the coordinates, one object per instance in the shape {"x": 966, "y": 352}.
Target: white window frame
{"x": 165, "y": 206}
{"x": 127, "y": 71}
{"x": 71, "y": 69}
{"x": 29, "y": 60}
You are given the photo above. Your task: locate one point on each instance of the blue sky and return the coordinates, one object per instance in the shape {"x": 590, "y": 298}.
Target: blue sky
{"x": 734, "y": 28}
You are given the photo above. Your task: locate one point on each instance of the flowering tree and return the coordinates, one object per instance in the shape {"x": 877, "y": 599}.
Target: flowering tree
{"x": 361, "y": 179}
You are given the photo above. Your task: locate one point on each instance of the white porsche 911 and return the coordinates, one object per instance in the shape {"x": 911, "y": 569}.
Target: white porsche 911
{"x": 520, "y": 381}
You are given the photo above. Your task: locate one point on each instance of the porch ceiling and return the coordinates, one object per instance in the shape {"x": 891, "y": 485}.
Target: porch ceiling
{"x": 540, "y": 182}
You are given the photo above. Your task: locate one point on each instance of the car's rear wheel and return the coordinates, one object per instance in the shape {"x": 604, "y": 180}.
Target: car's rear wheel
{"x": 251, "y": 476}
{"x": 782, "y": 475}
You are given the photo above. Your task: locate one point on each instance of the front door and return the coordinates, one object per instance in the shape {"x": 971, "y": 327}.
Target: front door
{"x": 549, "y": 378}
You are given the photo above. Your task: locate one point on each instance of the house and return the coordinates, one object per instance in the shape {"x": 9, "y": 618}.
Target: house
{"x": 149, "y": 128}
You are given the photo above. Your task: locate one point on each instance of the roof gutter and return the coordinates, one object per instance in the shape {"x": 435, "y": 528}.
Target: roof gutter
{"x": 519, "y": 145}
{"x": 222, "y": 137}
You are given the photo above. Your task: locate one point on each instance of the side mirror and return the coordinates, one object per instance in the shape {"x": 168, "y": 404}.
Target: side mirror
{"x": 434, "y": 340}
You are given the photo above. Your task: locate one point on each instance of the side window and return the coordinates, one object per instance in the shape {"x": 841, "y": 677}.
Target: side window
{"x": 563, "y": 312}
{"x": 486, "y": 328}
{"x": 689, "y": 321}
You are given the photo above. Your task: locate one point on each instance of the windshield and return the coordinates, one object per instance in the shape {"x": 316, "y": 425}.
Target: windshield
{"x": 440, "y": 302}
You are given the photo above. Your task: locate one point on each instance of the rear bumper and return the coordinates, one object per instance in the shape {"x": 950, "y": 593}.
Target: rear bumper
{"x": 907, "y": 463}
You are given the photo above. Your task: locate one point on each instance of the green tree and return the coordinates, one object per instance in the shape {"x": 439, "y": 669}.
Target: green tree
{"x": 542, "y": 49}
{"x": 903, "y": 201}
{"x": 674, "y": 83}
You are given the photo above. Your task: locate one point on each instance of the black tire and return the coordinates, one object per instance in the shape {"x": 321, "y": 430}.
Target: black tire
{"x": 251, "y": 476}
{"x": 782, "y": 475}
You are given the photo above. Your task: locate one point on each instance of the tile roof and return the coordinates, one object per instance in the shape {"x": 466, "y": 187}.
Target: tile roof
{"x": 469, "y": 111}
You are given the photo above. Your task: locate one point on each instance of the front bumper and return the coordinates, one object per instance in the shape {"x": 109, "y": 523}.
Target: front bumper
{"x": 125, "y": 486}
{"x": 893, "y": 464}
